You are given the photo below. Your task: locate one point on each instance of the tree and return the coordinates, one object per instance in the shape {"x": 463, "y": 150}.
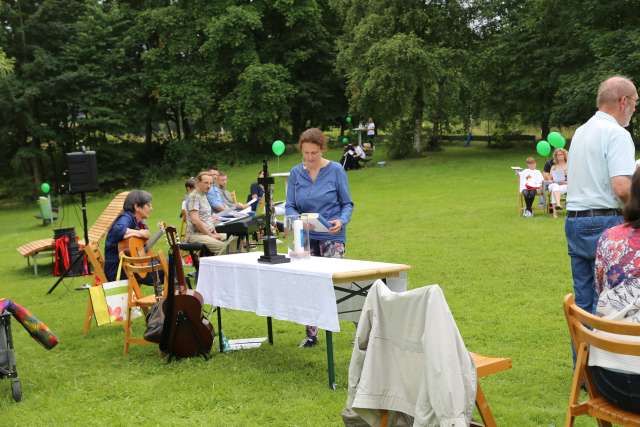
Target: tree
{"x": 33, "y": 110}
{"x": 291, "y": 45}
{"x": 404, "y": 58}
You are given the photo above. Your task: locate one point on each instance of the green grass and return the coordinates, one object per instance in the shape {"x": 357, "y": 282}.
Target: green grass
{"x": 451, "y": 215}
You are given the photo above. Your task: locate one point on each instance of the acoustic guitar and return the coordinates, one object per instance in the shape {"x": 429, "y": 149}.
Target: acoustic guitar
{"x": 186, "y": 331}
{"x": 136, "y": 246}
{"x": 139, "y": 247}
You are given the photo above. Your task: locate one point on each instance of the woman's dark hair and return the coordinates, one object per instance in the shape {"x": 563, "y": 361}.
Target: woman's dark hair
{"x": 631, "y": 211}
{"x": 136, "y": 198}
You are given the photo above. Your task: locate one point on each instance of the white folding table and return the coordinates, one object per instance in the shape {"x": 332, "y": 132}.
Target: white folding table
{"x": 315, "y": 291}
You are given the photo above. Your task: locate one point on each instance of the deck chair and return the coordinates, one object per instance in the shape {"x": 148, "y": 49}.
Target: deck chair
{"x": 47, "y": 213}
{"x": 582, "y": 326}
{"x": 34, "y": 250}
{"x": 135, "y": 266}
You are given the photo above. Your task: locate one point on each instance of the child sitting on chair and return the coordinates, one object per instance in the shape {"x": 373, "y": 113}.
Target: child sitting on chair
{"x": 530, "y": 182}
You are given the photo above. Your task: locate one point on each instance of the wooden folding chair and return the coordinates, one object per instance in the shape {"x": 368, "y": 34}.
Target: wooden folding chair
{"x": 96, "y": 260}
{"x": 485, "y": 366}
{"x": 584, "y": 329}
{"x": 134, "y": 266}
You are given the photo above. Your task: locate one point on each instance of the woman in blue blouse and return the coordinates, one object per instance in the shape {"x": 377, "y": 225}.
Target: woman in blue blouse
{"x": 318, "y": 185}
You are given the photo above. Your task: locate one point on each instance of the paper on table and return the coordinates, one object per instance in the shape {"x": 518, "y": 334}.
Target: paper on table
{"x": 317, "y": 221}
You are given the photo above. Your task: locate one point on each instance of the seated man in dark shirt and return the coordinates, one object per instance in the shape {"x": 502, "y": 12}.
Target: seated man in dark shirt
{"x": 137, "y": 208}
{"x": 256, "y": 192}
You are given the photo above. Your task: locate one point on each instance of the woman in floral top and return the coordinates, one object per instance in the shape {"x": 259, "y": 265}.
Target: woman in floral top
{"x": 617, "y": 275}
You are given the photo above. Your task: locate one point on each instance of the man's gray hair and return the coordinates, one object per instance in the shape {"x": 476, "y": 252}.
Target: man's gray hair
{"x": 136, "y": 198}
{"x": 614, "y": 88}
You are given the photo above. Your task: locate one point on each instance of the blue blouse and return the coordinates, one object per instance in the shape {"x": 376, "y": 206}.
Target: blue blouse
{"x": 115, "y": 235}
{"x": 328, "y": 195}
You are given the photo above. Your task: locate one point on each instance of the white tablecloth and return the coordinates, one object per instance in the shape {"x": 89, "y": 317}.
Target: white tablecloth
{"x": 300, "y": 291}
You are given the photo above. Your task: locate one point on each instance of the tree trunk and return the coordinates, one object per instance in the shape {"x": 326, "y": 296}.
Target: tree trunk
{"x": 417, "y": 120}
{"x": 148, "y": 130}
{"x": 544, "y": 126}
{"x": 297, "y": 123}
{"x": 178, "y": 112}
{"x": 186, "y": 125}
{"x": 168, "y": 125}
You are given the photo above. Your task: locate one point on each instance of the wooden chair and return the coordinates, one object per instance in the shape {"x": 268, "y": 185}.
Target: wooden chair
{"x": 485, "y": 366}
{"x": 135, "y": 266}
{"x": 35, "y": 249}
{"x": 95, "y": 258}
{"x": 582, "y": 326}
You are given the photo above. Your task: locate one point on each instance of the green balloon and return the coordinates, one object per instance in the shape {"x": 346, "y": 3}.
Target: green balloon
{"x": 345, "y": 139}
{"x": 348, "y": 119}
{"x": 556, "y": 140}
{"x": 45, "y": 187}
{"x": 543, "y": 148}
{"x": 277, "y": 147}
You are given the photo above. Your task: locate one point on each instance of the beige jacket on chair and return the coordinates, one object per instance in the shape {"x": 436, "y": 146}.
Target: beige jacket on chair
{"x": 409, "y": 357}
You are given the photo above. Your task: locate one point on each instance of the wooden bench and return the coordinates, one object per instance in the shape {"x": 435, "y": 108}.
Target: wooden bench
{"x": 45, "y": 247}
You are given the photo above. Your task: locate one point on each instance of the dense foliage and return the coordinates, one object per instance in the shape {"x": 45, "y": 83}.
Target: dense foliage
{"x": 183, "y": 84}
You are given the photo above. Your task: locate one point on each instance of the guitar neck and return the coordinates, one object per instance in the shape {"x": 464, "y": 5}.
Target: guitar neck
{"x": 177, "y": 259}
{"x": 152, "y": 241}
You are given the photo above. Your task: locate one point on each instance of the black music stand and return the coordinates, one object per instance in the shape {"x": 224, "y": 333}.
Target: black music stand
{"x": 271, "y": 255}
{"x": 80, "y": 255}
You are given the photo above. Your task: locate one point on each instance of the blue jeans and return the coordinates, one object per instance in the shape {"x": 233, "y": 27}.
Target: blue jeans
{"x": 582, "y": 237}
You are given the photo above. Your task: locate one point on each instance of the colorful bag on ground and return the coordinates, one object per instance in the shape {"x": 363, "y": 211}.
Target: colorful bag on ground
{"x": 109, "y": 301}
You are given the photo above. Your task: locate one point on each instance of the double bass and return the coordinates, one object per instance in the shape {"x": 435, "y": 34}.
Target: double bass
{"x": 186, "y": 332}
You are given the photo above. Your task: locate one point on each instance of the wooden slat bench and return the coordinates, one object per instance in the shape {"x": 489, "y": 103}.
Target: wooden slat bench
{"x": 44, "y": 247}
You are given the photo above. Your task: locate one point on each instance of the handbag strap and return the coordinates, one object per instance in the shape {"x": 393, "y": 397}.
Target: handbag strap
{"x": 119, "y": 267}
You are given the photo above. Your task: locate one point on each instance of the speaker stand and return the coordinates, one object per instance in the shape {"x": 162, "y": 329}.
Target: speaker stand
{"x": 83, "y": 201}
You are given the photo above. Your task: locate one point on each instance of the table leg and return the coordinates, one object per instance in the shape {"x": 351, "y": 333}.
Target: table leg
{"x": 220, "y": 343}
{"x": 330, "y": 367}
{"x": 270, "y": 330}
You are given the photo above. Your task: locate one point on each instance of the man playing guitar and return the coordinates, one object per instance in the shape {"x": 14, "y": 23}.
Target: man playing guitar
{"x": 137, "y": 208}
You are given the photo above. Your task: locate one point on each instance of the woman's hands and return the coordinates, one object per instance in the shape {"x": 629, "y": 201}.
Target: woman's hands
{"x": 337, "y": 226}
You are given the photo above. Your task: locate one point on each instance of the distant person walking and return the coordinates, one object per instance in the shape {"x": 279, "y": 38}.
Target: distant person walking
{"x": 600, "y": 164}
{"x": 371, "y": 132}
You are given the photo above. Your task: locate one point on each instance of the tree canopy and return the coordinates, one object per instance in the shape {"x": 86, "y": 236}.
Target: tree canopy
{"x": 157, "y": 79}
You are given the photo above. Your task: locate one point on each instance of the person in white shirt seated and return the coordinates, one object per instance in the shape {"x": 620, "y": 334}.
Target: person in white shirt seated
{"x": 530, "y": 182}
{"x": 559, "y": 177}
{"x": 617, "y": 281}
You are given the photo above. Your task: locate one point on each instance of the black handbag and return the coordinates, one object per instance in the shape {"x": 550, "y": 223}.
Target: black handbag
{"x": 155, "y": 322}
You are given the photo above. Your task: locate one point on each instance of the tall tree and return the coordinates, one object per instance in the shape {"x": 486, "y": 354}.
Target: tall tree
{"x": 33, "y": 109}
{"x": 404, "y": 58}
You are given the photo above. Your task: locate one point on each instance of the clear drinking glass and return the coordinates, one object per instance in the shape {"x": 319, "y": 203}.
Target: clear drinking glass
{"x": 297, "y": 236}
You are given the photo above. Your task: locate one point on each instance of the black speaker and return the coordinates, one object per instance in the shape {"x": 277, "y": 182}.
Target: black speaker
{"x": 83, "y": 172}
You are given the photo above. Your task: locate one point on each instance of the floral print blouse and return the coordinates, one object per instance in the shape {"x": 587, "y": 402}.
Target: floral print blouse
{"x": 617, "y": 274}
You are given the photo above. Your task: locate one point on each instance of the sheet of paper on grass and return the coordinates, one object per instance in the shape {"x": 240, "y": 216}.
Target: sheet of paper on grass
{"x": 245, "y": 343}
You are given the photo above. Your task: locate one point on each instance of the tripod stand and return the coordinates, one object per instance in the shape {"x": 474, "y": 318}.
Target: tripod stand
{"x": 80, "y": 255}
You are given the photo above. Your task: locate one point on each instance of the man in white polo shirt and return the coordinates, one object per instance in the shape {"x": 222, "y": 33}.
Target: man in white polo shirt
{"x": 601, "y": 162}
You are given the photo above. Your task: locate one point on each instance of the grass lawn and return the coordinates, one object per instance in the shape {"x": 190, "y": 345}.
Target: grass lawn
{"x": 451, "y": 215}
